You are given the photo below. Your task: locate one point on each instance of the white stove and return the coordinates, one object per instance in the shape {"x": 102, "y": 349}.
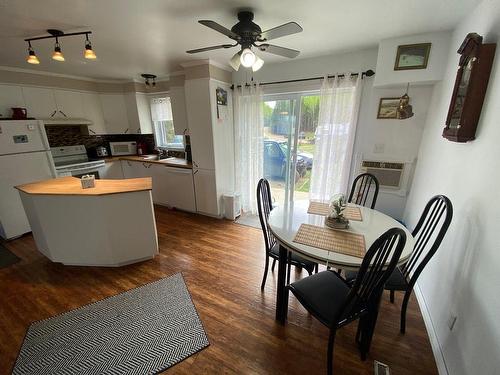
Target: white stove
{"x": 73, "y": 161}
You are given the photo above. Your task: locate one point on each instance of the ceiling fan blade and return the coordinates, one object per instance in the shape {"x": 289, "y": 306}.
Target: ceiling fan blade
{"x": 280, "y": 51}
{"x": 210, "y": 48}
{"x": 221, "y": 29}
{"x": 279, "y": 31}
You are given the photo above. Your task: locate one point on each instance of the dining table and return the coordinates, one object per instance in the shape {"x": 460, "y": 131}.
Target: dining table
{"x": 284, "y": 222}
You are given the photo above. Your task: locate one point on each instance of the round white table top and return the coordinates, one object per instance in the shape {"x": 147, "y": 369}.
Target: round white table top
{"x": 284, "y": 222}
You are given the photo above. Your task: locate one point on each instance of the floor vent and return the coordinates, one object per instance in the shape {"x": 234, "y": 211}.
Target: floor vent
{"x": 381, "y": 368}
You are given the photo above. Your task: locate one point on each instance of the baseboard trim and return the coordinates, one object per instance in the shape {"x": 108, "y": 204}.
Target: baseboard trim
{"x": 436, "y": 347}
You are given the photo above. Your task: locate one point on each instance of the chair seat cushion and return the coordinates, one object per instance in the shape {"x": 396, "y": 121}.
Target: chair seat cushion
{"x": 322, "y": 294}
{"x": 296, "y": 259}
{"x": 395, "y": 282}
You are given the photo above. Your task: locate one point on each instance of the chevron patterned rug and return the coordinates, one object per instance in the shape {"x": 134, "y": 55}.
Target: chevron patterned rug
{"x": 142, "y": 331}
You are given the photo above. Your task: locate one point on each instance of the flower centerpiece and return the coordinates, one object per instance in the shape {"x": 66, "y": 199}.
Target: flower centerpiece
{"x": 335, "y": 218}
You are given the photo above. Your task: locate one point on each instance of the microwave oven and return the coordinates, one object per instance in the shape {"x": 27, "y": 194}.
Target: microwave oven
{"x": 123, "y": 148}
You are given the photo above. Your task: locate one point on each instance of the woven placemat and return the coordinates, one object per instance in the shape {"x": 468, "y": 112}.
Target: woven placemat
{"x": 332, "y": 240}
{"x": 320, "y": 208}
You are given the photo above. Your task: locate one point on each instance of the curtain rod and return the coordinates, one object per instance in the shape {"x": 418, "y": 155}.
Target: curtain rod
{"x": 368, "y": 73}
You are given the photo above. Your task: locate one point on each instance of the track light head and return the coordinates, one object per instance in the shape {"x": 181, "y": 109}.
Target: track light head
{"x": 57, "y": 55}
{"x": 32, "y": 58}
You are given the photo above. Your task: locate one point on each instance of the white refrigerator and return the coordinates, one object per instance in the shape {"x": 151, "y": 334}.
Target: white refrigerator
{"x": 24, "y": 157}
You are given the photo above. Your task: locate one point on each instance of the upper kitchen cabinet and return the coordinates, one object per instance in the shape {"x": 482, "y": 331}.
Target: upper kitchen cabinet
{"x": 139, "y": 113}
{"x": 92, "y": 110}
{"x": 114, "y": 108}
{"x": 69, "y": 104}
{"x": 40, "y": 102}
{"x": 179, "y": 113}
{"x": 10, "y": 96}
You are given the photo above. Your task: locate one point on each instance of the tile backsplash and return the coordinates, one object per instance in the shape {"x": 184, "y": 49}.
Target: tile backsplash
{"x": 71, "y": 135}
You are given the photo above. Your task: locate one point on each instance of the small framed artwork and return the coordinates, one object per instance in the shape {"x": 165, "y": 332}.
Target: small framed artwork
{"x": 412, "y": 56}
{"x": 387, "y": 108}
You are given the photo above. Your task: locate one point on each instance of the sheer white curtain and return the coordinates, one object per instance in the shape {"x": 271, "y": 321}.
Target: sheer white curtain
{"x": 338, "y": 115}
{"x": 249, "y": 131}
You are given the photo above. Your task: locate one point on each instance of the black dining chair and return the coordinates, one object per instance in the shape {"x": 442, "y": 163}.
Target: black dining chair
{"x": 404, "y": 277}
{"x": 436, "y": 216}
{"x": 362, "y": 188}
{"x": 265, "y": 205}
{"x": 335, "y": 303}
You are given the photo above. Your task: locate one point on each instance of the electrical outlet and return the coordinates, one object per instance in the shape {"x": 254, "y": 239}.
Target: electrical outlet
{"x": 451, "y": 321}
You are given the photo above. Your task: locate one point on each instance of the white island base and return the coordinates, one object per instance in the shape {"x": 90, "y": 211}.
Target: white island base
{"x": 109, "y": 229}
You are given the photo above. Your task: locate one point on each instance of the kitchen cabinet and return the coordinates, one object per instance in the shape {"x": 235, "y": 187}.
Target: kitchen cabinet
{"x": 200, "y": 122}
{"x": 173, "y": 187}
{"x": 206, "y": 192}
{"x": 179, "y": 113}
{"x": 112, "y": 171}
{"x": 114, "y": 109}
{"x": 69, "y": 104}
{"x": 139, "y": 113}
{"x": 135, "y": 169}
{"x": 92, "y": 110}
{"x": 40, "y": 102}
{"x": 10, "y": 96}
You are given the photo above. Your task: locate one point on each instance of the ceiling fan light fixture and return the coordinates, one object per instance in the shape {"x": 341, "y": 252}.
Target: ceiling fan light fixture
{"x": 247, "y": 57}
{"x": 57, "y": 55}
{"x": 257, "y": 64}
{"x": 32, "y": 58}
{"x": 235, "y": 61}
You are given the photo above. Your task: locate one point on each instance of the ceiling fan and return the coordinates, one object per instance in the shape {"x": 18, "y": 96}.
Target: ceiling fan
{"x": 247, "y": 34}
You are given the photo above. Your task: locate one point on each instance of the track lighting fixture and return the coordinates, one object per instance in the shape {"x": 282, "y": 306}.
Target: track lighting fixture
{"x": 89, "y": 52}
{"x": 149, "y": 79}
{"x": 57, "y": 55}
{"x": 32, "y": 59}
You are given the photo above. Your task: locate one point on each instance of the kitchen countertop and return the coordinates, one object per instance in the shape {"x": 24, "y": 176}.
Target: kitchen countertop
{"x": 170, "y": 162}
{"x": 72, "y": 186}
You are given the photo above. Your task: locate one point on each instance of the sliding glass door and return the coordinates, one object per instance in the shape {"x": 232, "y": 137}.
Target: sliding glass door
{"x": 290, "y": 122}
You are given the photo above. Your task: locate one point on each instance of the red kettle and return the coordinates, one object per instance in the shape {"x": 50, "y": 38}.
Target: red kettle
{"x": 19, "y": 113}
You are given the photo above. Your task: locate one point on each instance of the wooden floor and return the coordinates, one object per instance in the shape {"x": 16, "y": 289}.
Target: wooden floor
{"x": 222, "y": 264}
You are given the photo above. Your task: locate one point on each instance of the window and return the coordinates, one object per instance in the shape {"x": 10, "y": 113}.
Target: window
{"x": 161, "y": 114}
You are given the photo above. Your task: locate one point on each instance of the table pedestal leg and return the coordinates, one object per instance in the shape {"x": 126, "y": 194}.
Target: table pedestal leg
{"x": 281, "y": 290}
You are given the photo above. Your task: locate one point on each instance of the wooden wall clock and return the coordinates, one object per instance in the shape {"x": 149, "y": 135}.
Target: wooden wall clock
{"x": 470, "y": 88}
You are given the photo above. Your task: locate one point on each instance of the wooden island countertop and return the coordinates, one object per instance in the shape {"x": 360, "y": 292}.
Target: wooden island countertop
{"x": 72, "y": 186}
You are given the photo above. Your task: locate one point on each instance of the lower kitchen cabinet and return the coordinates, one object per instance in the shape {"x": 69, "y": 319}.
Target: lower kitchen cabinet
{"x": 112, "y": 171}
{"x": 173, "y": 187}
{"x": 206, "y": 191}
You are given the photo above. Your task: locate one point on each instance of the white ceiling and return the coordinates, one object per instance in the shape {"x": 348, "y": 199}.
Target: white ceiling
{"x": 131, "y": 37}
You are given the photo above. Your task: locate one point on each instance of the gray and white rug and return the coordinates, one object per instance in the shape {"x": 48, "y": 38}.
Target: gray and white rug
{"x": 141, "y": 331}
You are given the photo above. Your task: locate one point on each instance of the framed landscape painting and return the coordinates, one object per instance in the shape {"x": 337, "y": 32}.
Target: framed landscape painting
{"x": 412, "y": 56}
{"x": 387, "y": 108}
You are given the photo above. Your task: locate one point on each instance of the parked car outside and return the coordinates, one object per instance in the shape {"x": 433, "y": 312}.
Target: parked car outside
{"x": 275, "y": 161}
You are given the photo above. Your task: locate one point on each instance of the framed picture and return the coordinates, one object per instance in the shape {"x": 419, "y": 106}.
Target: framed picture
{"x": 387, "y": 108}
{"x": 412, "y": 56}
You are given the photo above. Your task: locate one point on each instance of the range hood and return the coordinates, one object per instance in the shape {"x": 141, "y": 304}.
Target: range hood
{"x": 66, "y": 121}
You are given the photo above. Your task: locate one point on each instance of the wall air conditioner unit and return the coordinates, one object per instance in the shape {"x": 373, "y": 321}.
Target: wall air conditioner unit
{"x": 389, "y": 174}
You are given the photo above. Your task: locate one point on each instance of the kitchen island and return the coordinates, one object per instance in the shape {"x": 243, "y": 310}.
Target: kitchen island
{"x": 111, "y": 224}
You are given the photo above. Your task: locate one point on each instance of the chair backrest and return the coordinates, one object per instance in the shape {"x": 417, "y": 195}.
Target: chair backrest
{"x": 265, "y": 205}
{"x": 361, "y": 188}
{"x": 437, "y": 214}
{"x": 378, "y": 263}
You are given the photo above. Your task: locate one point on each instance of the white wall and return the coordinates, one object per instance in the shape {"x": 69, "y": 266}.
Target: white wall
{"x": 400, "y": 138}
{"x": 386, "y": 75}
{"x": 463, "y": 278}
